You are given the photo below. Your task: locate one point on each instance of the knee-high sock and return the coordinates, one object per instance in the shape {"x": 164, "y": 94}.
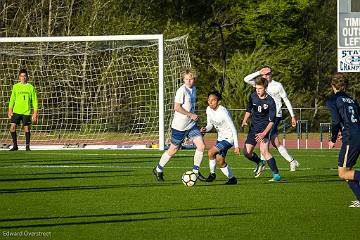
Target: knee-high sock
{"x": 14, "y": 138}
{"x": 198, "y": 156}
{"x": 163, "y": 161}
{"x": 227, "y": 171}
{"x": 27, "y": 138}
{"x": 284, "y": 153}
{"x": 354, "y": 185}
{"x": 212, "y": 165}
{"x": 255, "y": 158}
{"x": 273, "y": 166}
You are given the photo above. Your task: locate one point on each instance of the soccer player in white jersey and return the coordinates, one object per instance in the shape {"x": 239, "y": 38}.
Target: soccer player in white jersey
{"x": 184, "y": 125}
{"x": 277, "y": 92}
{"x": 219, "y": 117}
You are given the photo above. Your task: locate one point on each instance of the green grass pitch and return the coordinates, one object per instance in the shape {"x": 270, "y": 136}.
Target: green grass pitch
{"x": 112, "y": 194}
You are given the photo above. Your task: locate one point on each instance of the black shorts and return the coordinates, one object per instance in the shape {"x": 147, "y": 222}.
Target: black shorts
{"x": 250, "y": 139}
{"x": 349, "y": 154}
{"x": 274, "y": 130}
{"x": 17, "y": 118}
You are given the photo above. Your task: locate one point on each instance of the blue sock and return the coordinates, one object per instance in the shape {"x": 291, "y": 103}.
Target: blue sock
{"x": 272, "y": 165}
{"x": 357, "y": 176}
{"x": 255, "y": 158}
{"x": 354, "y": 185}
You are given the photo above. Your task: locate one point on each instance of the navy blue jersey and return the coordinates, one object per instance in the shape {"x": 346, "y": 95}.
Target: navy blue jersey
{"x": 345, "y": 117}
{"x": 262, "y": 111}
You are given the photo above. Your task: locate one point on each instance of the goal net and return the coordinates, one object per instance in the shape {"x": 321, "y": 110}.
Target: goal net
{"x": 102, "y": 90}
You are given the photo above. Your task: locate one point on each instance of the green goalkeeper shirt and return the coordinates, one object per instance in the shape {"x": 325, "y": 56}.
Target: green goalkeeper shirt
{"x": 22, "y": 96}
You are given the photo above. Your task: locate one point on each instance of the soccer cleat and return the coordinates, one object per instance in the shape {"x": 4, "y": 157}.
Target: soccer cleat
{"x": 259, "y": 168}
{"x": 159, "y": 175}
{"x": 293, "y": 165}
{"x": 231, "y": 181}
{"x": 14, "y": 148}
{"x": 27, "y": 148}
{"x": 200, "y": 177}
{"x": 211, "y": 177}
{"x": 276, "y": 178}
{"x": 355, "y": 204}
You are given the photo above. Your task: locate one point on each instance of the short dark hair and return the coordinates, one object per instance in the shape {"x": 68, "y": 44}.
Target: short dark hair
{"x": 216, "y": 94}
{"x": 261, "y": 81}
{"x": 23, "y": 70}
{"x": 339, "y": 81}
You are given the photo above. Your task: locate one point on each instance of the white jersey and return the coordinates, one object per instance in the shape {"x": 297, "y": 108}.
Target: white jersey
{"x": 276, "y": 91}
{"x": 187, "y": 98}
{"x": 221, "y": 120}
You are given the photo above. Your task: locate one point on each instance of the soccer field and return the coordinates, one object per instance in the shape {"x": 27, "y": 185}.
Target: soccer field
{"x": 112, "y": 194}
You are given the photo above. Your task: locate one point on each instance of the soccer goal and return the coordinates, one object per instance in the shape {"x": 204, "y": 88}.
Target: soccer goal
{"x": 108, "y": 91}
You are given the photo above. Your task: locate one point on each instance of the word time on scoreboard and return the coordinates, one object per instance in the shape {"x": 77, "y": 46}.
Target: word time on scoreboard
{"x": 348, "y": 35}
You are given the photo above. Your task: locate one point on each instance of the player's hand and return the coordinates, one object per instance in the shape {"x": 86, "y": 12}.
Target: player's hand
{"x": 237, "y": 151}
{"x": 265, "y": 71}
{"x": 194, "y": 117}
{"x": 259, "y": 137}
{"x": 34, "y": 118}
{"x": 331, "y": 144}
{"x": 293, "y": 121}
{"x": 203, "y": 130}
{"x": 244, "y": 124}
{"x": 10, "y": 113}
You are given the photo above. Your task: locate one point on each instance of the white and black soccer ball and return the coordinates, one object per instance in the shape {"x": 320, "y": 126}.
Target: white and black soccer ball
{"x": 189, "y": 178}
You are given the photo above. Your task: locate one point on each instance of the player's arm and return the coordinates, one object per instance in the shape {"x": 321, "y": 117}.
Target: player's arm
{"x": 35, "y": 105}
{"x": 208, "y": 126}
{"x": 247, "y": 113}
{"x": 11, "y": 103}
{"x": 288, "y": 105}
{"x": 230, "y": 123}
{"x": 250, "y": 79}
{"x": 335, "y": 121}
{"x": 178, "y": 107}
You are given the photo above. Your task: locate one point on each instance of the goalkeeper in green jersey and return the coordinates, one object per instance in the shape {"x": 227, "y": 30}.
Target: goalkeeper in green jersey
{"x": 23, "y": 97}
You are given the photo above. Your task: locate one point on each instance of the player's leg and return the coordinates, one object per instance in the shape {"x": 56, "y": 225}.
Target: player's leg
{"x": 282, "y": 150}
{"x": 224, "y": 146}
{"x": 15, "y": 120}
{"x": 27, "y": 123}
{"x": 177, "y": 137}
{"x": 212, "y": 152}
{"x": 248, "y": 151}
{"x": 347, "y": 159}
{"x": 198, "y": 140}
{"x": 264, "y": 149}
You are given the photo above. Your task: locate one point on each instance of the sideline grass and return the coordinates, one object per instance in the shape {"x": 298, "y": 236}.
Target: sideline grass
{"x": 91, "y": 194}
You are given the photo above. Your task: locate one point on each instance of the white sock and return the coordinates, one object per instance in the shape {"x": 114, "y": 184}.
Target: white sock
{"x": 212, "y": 165}
{"x": 198, "y": 156}
{"x": 227, "y": 171}
{"x": 163, "y": 161}
{"x": 262, "y": 157}
{"x": 282, "y": 150}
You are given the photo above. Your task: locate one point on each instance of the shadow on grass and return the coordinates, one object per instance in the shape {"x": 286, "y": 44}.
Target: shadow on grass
{"x": 139, "y": 217}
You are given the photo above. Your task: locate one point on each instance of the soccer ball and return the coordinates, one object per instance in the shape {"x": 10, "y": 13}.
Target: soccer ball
{"x": 189, "y": 178}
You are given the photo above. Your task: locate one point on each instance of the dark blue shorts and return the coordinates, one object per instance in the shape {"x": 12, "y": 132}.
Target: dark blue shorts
{"x": 17, "y": 118}
{"x": 274, "y": 130}
{"x": 349, "y": 153}
{"x": 178, "y": 137}
{"x": 250, "y": 139}
{"x": 223, "y": 146}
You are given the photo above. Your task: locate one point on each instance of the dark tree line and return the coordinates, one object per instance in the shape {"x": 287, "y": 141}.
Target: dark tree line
{"x": 296, "y": 37}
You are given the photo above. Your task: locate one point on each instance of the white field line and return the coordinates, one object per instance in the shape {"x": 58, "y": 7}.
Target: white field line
{"x": 121, "y": 167}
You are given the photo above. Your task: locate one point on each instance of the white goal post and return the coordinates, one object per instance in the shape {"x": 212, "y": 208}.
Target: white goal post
{"x": 108, "y": 91}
